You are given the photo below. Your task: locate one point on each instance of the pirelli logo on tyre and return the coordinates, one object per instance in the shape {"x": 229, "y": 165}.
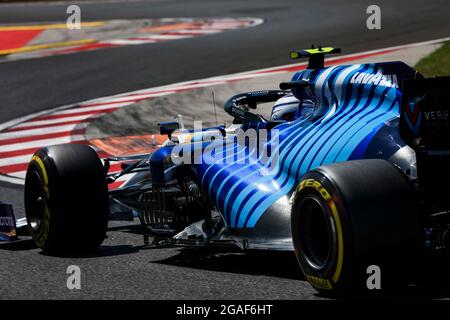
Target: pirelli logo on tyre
{"x": 319, "y": 282}
{"x": 316, "y": 185}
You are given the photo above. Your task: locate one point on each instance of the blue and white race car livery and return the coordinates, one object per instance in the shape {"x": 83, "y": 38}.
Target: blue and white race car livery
{"x": 349, "y": 171}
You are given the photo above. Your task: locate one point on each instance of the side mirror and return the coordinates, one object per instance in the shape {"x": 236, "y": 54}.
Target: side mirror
{"x": 168, "y": 127}
{"x": 297, "y": 87}
{"x": 299, "y": 84}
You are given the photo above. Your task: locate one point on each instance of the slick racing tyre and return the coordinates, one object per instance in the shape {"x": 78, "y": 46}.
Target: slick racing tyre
{"x": 66, "y": 199}
{"x": 351, "y": 216}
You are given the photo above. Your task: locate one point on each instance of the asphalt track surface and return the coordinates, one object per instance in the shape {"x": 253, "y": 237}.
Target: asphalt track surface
{"x": 123, "y": 268}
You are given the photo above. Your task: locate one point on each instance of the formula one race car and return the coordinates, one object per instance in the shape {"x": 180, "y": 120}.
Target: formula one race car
{"x": 351, "y": 171}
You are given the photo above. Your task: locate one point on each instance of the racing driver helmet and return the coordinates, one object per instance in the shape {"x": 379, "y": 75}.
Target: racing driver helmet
{"x": 288, "y": 108}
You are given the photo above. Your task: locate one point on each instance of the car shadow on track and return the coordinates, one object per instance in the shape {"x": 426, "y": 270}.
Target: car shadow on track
{"x": 25, "y": 243}
{"x": 433, "y": 280}
{"x": 103, "y": 251}
{"x": 226, "y": 260}
{"x": 274, "y": 264}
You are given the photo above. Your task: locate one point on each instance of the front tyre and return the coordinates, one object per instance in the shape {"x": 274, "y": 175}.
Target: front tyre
{"x": 66, "y": 199}
{"x": 352, "y": 215}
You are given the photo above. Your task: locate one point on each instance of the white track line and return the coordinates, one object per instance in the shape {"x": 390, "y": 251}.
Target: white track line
{"x": 20, "y": 179}
{"x": 126, "y": 99}
{"x": 39, "y": 131}
{"x": 127, "y": 42}
{"x": 15, "y": 160}
{"x": 36, "y": 123}
{"x": 40, "y": 143}
{"x": 197, "y": 31}
{"x": 91, "y": 108}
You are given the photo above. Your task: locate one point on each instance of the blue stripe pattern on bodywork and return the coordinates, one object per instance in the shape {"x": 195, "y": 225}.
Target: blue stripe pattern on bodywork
{"x": 346, "y": 115}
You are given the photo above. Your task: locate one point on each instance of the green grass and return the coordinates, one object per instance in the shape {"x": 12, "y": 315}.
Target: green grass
{"x": 436, "y": 63}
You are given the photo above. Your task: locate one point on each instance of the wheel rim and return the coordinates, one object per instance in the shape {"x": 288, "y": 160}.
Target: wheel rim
{"x": 35, "y": 202}
{"x": 315, "y": 233}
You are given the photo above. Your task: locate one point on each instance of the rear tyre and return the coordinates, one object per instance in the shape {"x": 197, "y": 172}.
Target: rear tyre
{"x": 66, "y": 199}
{"x": 349, "y": 216}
